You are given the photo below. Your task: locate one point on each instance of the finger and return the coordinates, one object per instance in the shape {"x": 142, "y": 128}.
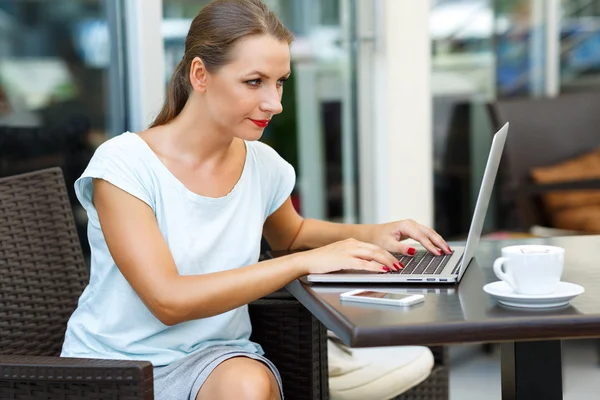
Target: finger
{"x": 368, "y": 251}
{"x": 396, "y": 264}
{"x": 417, "y": 232}
{"x": 437, "y": 240}
{"x": 379, "y": 256}
{"x": 361, "y": 264}
{"x": 425, "y": 242}
{"x": 402, "y": 248}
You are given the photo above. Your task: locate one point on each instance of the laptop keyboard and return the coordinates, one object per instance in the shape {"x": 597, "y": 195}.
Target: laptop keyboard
{"x": 421, "y": 263}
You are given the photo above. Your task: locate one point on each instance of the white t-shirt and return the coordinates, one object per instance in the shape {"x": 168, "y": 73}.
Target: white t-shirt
{"x": 204, "y": 235}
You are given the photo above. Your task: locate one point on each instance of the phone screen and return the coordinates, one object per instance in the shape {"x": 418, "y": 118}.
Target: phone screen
{"x": 382, "y": 295}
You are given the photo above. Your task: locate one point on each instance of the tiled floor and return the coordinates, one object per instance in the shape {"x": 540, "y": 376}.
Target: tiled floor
{"x": 475, "y": 375}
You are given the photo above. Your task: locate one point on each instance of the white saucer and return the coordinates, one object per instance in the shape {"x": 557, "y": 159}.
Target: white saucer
{"x": 564, "y": 292}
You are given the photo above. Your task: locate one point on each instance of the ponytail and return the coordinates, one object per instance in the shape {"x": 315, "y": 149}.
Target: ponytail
{"x": 177, "y": 95}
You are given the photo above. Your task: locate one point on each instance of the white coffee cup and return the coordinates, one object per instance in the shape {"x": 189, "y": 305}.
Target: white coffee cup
{"x": 531, "y": 269}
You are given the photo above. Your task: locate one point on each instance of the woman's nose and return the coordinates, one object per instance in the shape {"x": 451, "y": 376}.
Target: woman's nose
{"x": 271, "y": 103}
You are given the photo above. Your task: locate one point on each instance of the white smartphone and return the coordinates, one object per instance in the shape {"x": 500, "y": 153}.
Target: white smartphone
{"x": 379, "y": 297}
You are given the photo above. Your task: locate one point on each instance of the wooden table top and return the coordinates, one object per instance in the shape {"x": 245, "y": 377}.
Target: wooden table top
{"x": 464, "y": 313}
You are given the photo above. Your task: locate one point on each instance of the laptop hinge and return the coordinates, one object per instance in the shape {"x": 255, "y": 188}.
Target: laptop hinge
{"x": 457, "y": 266}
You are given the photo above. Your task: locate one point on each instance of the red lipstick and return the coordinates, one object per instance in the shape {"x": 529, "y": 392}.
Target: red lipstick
{"x": 261, "y": 123}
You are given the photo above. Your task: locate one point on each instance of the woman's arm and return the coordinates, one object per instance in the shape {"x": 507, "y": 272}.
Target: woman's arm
{"x": 143, "y": 257}
{"x": 141, "y": 253}
{"x": 286, "y": 229}
{"x": 316, "y": 233}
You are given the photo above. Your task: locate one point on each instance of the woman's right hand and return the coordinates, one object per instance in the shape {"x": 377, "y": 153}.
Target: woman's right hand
{"x": 346, "y": 254}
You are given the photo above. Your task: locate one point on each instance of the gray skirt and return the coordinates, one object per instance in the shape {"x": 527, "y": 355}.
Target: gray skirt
{"x": 183, "y": 379}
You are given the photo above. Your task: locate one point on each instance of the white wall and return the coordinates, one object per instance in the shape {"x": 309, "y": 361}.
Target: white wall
{"x": 397, "y": 176}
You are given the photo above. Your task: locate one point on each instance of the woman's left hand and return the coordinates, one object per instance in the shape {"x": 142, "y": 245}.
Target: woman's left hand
{"x": 390, "y": 236}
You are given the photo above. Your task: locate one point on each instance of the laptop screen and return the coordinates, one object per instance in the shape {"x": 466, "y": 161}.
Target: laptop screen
{"x": 483, "y": 199}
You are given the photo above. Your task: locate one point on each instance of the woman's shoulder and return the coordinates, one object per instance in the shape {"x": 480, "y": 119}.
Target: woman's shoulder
{"x": 126, "y": 149}
{"x": 122, "y": 156}
{"x": 120, "y": 161}
{"x": 125, "y": 142}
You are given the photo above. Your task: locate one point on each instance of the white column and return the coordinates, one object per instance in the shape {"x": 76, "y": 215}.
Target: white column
{"x": 311, "y": 157}
{"x": 537, "y": 49}
{"x": 553, "y": 27}
{"x": 145, "y": 61}
{"x": 402, "y": 181}
{"x": 370, "y": 56}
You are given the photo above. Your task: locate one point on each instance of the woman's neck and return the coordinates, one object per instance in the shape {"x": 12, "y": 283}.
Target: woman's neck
{"x": 194, "y": 137}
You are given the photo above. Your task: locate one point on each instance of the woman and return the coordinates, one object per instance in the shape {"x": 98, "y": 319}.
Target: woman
{"x": 177, "y": 212}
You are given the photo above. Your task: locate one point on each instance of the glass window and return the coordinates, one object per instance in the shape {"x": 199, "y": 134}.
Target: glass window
{"x": 580, "y": 45}
{"x": 310, "y": 132}
{"x": 177, "y": 18}
{"x": 462, "y": 81}
{"x": 484, "y": 50}
{"x": 60, "y": 95}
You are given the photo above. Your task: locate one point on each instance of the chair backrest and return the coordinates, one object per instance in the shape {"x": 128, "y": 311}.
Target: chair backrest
{"x": 42, "y": 269}
{"x": 544, "y": 132}
{"x": 548, "y": 131}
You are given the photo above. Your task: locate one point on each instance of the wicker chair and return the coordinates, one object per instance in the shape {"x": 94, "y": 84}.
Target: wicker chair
{"x": 42, "y": 274}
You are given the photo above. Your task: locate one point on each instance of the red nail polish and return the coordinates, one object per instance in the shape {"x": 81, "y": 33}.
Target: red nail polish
{"x": 401, "y": 265}
{"x": 386, "y": 269}
{"x": 449, "y": 249}
{"x": 411, "y": 251}
{"x": 396, "y": 267}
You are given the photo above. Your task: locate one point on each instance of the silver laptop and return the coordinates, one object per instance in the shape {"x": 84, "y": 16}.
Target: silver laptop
{"x": 424, "y": 266}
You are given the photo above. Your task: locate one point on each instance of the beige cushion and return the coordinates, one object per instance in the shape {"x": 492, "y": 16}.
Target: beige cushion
{"x": 586, "y": 166}
{"x": 584, "y": 219}
{"x": 572, "y": 209}
{"x": 376, "y": 373}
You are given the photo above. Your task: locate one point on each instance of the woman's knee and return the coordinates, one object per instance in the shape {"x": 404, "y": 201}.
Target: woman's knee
{"x": 256, "y": 383}
{"x": 240, "y": 378}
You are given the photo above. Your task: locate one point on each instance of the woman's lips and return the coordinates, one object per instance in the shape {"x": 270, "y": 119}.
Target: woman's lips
{"x": 261, "y": 123}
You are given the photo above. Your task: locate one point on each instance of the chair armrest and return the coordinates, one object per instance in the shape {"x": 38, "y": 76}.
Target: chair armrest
{"x": 538, "y": 188}
{"x": 77, "y": 377}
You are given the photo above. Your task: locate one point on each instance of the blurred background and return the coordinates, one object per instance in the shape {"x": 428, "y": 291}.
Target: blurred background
{"x": 389, "y": 112}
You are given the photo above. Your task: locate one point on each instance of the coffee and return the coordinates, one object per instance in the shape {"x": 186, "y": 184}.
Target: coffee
{"x": 533, "y": 250}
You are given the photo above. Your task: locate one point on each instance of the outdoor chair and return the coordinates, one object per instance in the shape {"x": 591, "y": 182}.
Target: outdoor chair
{"x": 543, "y": 134}
{"x": 42, "y": 274}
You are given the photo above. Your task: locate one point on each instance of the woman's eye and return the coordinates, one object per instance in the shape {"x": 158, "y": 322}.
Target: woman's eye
{"x": 258, "y": 82}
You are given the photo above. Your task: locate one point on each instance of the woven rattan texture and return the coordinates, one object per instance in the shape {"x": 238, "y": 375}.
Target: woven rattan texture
{"x": 42, "y": 271}
{"x": 65, "y": 369}
{"x": 296, "y": 342}
{"x": 25, "y": 377}
{"x": 440, "y": 355}
{"x": 71, "y": 391}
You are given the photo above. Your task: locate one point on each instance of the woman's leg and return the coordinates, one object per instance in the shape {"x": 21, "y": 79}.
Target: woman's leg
{"x": 240, "y": 378}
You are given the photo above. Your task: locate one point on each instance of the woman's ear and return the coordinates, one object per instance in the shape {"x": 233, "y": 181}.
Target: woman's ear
{"x": 198, "y": 74}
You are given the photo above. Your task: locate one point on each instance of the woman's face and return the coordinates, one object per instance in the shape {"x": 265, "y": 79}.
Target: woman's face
{"x": 245, "y": 94}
